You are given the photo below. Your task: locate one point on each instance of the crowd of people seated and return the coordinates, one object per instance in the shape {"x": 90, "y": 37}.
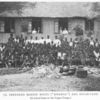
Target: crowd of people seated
{"x": 20, "y": 52}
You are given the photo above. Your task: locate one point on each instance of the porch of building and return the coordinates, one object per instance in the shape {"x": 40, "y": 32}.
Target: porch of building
{"x": 39, "y": 27}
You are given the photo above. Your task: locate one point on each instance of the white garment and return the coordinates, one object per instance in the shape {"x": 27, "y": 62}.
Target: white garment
{"x": 34, "y": 32}
{"x": 41, "y": 41}
{"x": 63, "y": 55}
{"x": 16, "y": 40}
{"x": 36, "y": 41}
{"x": 59, "y": 55}
{"x": 31, "y": 41}
{"x": 57, "y": 42}
{"x": 48, "y": 41}
{"x": 92, "y": 43}
{"x": 70, "y": 44}
{"x": 27, "y": 41}
{"x": 96, "y": 44}
{"x": 1, "y": 48}
{"x": 65, "y": 31}
{"x": 96, "y": 54}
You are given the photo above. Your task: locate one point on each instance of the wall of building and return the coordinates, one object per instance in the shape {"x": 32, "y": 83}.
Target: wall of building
{"x": 4, "y": 37}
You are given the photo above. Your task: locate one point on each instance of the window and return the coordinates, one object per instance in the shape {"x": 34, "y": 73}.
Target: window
{"x": 24, "y": 26}
{"x": 63, "y": 23}
{"x": 31, "y": 26}
{"x": 2, "y": 26}
{"x": 12, "y": 25}
{"x": 36, "y": 25}
{"x": 7, "y": 25}
{"x": 89, "y": 25}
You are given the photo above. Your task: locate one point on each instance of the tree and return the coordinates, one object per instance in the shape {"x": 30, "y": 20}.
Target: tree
{"x": 17, "y": 6}
{"x": 96, "y": 6}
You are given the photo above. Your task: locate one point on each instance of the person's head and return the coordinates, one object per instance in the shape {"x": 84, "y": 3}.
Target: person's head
{"x": 38, "y": 29}
{"x": 44, "y": 42}
{"x": 96, "y": 40}
{"x": 60, "y": 28}
{"x": 42, "y": 38}
{"x": 36, "y": 38}
{"x": 34, "y": 29}
{"x": 26, "y": 38}
{"x": 91, "y": 38}
{"x": 16, "y": 36}
{"x": 76, "y": 39}
{"x": 65, "y": 29}
{"x": 31, "y": 37}
{"x": 48, "y": 36}
{"x": 70, "y": 39}
{"x": 11, "y": 35}
{"x": 56, "y": 37}
{"x": 51, "y": 42}
{"x": 97, "y": 50}
{"x": 65, "y": 39}
{"x": 21, "y": 36}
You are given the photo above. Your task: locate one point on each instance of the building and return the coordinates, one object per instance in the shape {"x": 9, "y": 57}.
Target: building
{"x": 48, "y": 19}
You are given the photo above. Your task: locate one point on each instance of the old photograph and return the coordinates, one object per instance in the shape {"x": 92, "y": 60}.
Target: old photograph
{"x": 49, "y": 46}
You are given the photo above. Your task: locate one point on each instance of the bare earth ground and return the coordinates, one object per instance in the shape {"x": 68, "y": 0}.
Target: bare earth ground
{"x": 26, "y": 82}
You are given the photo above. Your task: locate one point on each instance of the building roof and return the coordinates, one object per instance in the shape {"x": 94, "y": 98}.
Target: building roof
{"x": 53, "y": 9}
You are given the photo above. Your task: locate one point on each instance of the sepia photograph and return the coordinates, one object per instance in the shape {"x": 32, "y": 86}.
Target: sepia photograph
{"x": 49, "y": 46}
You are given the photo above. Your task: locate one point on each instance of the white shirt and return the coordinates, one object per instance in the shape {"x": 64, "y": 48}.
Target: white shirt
{"x": 16, "y": 40}
{"x": 41, "y": 41}
{"x": 36, "y": 41}
{"x": 63, "y": 56}
{"x": 34, "y": 32}
{"x": 1, "y": 48}
{"x": 70, "y": 44}
{"x": 26, "y": 42}
{"x": 57, "y": 42}
{"x": 31, "y": 41}
{"x": 96, "y": 44}
{"x": 48, "y": 41}
{"x": 59, "y": 54}
{"x": 92, "y": 43}
{"x": 65, "y": 31}
{"x": 96, "y": 54}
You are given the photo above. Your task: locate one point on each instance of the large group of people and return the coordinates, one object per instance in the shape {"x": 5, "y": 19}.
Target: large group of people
{"x": 21, "y": 52}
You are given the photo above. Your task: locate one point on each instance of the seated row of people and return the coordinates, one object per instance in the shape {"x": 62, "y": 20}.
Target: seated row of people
{"x": 20, "y": 50}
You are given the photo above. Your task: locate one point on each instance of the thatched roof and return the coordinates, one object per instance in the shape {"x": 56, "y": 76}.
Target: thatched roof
{"x": 53, "y": 9}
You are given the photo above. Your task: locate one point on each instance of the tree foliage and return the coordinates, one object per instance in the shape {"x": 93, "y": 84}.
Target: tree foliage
{"x": 17, "y": 6}
{"x": 96, "y": 6}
